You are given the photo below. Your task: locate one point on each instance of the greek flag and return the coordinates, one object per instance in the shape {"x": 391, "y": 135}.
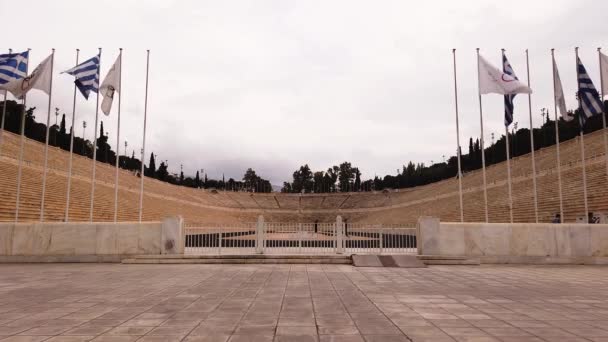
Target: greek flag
{"x": 13, "y": 66}
{"x": 588, "y": 96}
{"x": 507, "y": 69}
{"x": 87, "y": 76}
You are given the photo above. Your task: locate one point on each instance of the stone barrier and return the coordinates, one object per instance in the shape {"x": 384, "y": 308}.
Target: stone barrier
{"x": 526, "y": 243}
{"x": 88, "y": 242}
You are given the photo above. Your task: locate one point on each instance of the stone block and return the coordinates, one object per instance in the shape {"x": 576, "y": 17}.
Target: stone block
{"x": 150, "y": 236}
{"x": 128, "y": 239}
{"x": 473, "y": 239}
{"x": 30, "y": 239}
{"x": 172, "y": 240}
{"x": 580, "y": 243}
{"x": 106, "y": 239}
{"x": 427, "y": 234}
{"x": 598, "y": 240}
{"x": 6, "y": 238}
{"x": 562, "y": 240}
{"x": 495, "y": 239}
{"x": 451, "y": 239}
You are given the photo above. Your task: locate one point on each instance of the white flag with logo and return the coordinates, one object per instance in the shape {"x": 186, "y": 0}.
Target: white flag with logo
{"x": 604, "y": 71}
{"x": 110, "y": 87}
{"x": 494, "y": 81}
{"x": 39, "y": 79}
{"x": 560, "y": 99}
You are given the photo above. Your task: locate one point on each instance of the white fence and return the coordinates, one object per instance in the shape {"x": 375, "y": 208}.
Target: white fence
{"x": 299, "y": 238}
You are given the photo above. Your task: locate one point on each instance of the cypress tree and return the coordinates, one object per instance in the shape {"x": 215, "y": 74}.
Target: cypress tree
{"x": 152, "y": 166}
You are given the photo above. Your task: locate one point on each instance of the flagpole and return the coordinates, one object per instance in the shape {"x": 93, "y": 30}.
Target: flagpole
{"x": 559, "y": 164}
{"x": 510, "y": 190}
{"x": 118, "y": 138}
{"x": 599, "y": 55}
{"x": 509, "y": 175}
{"x": 67, "y": 197}
{"x": 532, "y": 141}
{"x": 586, "y": 218}
{"x": 46, "y": 145}
{"x": 10, "y": 51}
{"x": 143, "y": 149}
{"x": 22, "y": 143}
{"x": 458, "y": 138}
{"x": 483, "y": 152}
{"x": 95, "y": 145}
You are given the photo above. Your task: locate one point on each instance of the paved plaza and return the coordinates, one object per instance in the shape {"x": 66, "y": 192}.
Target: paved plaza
{"x": 114, "y": 302}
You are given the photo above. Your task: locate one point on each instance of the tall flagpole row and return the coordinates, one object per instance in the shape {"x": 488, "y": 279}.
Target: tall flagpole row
{"x": 118, "y": 139}
{"x": 95, "y": 144}
{"x": 458, "y": 139}
{"x": 67, "y": 197}
{"x": 46, "y": 145}
{"x": 3, "y": 113}
{"x": 599, "y": 55}
{"x": 143, "y": 149}
{"x": 584, "y": 167}
{"x": 559, "y": 163}
{"x": 532, "y": 141}
{"x": 22, "y": 145}
{"x": 483, "y": 152}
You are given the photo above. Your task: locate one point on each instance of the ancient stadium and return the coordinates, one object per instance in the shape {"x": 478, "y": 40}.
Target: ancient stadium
{"x": 403, "y": 206}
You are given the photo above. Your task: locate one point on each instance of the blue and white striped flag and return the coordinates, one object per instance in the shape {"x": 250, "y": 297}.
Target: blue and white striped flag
{"x": 589, "y": 98}
{"x": 87, "y": 76}
{"x": 507, "y": 69}
{"x": 13, "y": 66}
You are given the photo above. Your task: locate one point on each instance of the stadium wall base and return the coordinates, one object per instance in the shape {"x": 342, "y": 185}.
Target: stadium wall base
{"x": 515, "y": 243}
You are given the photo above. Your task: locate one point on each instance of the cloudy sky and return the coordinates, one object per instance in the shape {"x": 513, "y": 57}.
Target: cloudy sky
{"x": 275, "y": 84}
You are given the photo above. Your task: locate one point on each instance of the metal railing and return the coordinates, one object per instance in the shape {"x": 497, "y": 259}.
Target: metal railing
{"x": 299, "y": 238}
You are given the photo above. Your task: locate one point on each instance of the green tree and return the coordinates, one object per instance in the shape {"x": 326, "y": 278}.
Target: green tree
{"x": 162, "y": 173}
{"x": 357, "y": 183}
{"x": 345, "y": 176}
{"x": 151, "y": 170}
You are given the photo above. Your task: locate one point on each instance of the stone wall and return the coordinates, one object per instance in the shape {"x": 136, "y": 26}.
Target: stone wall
{"x": 88, "y": 242}
{"x": 515, "y": 242}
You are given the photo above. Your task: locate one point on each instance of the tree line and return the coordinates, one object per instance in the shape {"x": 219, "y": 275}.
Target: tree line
{"x": 60, "y": 136}
{"x": 345, "y": 177}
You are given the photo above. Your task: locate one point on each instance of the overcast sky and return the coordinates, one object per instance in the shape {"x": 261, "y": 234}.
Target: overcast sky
{"x": 276, "y": 84}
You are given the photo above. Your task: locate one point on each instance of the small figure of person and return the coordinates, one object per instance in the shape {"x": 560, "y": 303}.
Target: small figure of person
{"x": 557, "y": 218}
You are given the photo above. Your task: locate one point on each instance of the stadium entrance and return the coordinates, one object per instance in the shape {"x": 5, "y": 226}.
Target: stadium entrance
{"x": 299, "y": 238}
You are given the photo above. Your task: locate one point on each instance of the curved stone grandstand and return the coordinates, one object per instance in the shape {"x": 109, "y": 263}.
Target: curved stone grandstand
{"x": 218, "y": 207}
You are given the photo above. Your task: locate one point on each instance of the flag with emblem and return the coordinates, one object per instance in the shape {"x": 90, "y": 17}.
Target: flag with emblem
{"x": 494, "y": 81}
{"x": 39, "y": 79}
{"x": 560, "y": 99}
{"x": 110, "y": 86}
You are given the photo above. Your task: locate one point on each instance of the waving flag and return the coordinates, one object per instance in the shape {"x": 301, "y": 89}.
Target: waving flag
{"x": 604, "y": 71}
{"x": 494, "y": 81}
{"x": 588, "y": 96}
{"x": 507, "y": 69}
{"x": 13, "y": 66}
{"x": 40, "y": 79}
{"x": 110, "y": 86}
{"x": 87, "y": 76}
{"x": 560, "y": 99}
